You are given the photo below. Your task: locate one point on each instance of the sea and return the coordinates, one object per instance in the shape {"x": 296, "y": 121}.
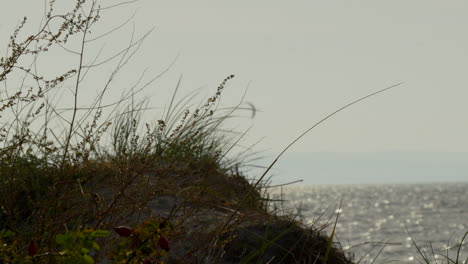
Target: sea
{"x": 385, "y": 223}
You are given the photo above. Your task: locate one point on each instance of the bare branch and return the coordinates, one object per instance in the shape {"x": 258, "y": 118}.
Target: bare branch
{"x": 119, "y": 53}
{"x": 119, "y": 4}
{"x": 112, "y": 30}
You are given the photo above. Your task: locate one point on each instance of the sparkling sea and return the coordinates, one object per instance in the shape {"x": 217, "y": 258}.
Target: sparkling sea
{"x": 391, "y": 214}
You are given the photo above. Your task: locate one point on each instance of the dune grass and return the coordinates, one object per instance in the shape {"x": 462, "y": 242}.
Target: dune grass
{"x": 54, "y": 163}
{"x": 434, "y": 257}
{"x": 71, "y": 175}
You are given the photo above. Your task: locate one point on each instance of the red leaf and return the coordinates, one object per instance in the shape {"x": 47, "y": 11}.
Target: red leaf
{"x": 163, "y": 243}
{"x": 124, "y": 231}
{"x": 32, "y": 248}
{"x": 148, "y": 261}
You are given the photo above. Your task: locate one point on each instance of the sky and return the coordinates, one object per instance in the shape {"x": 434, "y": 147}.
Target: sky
{"x": 301, "y": 60}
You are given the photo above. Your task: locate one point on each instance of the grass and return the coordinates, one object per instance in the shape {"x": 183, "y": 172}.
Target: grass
{"x": 72, "y": 178}
{"x": 434, "y": 257}
{"x": 73, "y": 174}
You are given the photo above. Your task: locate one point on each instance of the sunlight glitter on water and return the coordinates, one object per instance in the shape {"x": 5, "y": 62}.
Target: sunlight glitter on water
{"x": 388, "y": 213}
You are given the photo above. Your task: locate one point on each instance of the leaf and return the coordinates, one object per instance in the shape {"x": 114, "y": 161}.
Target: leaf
{"x": 61, "y": 239}
{"x": 124, "y": 231}
{"x": 96, "y": 246}
{"x": 99, "y": 233}
{"x": 7, "y": 233}
{"x": 164, "y": 243}
{"x": 88, "y": 259}
{"x": 32, "y": 248}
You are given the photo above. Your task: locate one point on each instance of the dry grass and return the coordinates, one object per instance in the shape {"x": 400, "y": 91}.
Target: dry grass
{"x": 58, "y": 174}
{"x": 101, "y": 166}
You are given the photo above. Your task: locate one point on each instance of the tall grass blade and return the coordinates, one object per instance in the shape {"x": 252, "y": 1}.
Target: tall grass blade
{"x": 330, "y": 240}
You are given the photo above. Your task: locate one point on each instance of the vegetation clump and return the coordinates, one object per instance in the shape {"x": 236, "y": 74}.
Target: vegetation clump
{"x": 95, "y": 184}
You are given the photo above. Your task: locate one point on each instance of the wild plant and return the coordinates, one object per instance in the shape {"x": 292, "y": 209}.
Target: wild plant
{"x": 432, "y": 256}
{"x": 53, "y": 162}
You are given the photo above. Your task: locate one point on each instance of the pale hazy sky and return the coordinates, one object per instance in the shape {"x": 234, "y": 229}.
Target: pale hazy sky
{"x": 304, "y": 59}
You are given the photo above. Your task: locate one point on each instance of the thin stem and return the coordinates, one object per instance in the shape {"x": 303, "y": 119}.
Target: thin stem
{"x": 77, "y": 85}
{"x": 297, "y": 139}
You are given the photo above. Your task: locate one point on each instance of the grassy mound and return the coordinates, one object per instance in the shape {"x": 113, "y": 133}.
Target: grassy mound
{"x": 92, "y": 184}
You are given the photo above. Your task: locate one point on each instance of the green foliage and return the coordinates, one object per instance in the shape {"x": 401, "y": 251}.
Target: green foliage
{"x": 73, "y": 247}
{"x": 148, "y": 242}
{"x": 11, "y": 250}
{"x": 77, "y": 246}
